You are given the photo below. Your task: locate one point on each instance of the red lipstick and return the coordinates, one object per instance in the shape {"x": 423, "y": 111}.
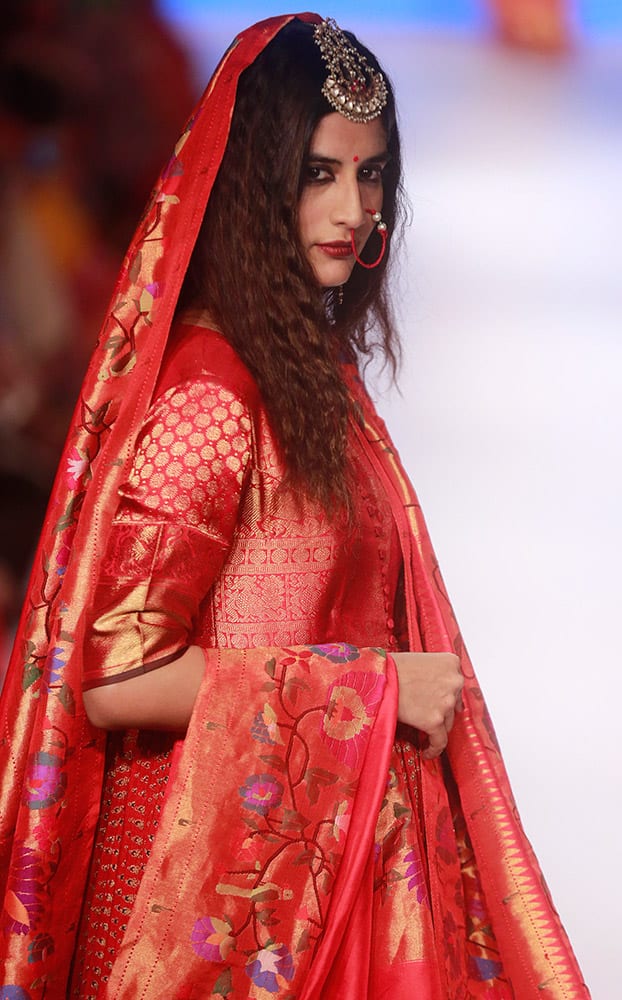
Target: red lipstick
{"x": 337, "y": 249}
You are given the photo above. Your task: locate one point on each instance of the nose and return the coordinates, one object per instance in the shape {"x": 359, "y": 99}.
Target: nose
{"x": 348, "y": 210}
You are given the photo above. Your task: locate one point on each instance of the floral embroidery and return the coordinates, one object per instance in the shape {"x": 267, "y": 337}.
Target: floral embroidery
{"x": 264, "y": 728}
{"x": 415, "y": 873}
{"x": 341, "y": 821}
{"x": 25, "y": 887}
{"x": 45, "y": 782}
{"x": 41, "y": 946}
{"x": 260, "y": 793}
{"x": 270, "y": 966}
{"x": 13, "y": 993}
{"x": 77, "y": 464}
{"x": 337, "y": 652}
{"x": 353, "y": 700}
{"x": 211, "y": 938}
{"x": 485, "y": 968}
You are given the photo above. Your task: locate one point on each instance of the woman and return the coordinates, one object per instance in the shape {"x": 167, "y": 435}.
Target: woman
{"x": 231, "y": 553}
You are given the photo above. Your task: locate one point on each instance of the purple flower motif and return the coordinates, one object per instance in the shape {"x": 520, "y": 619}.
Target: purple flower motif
{"x": 211, "y": 938}
{"x": 485, "y": 968}
{"x": 57, "y": 663}
{"x": 260, "y": 793}
{"x": 272, "y": 963}
{"x": 337, "y": 652}
{"x": 13, "y": 993}
{"x": 415, "y": 874}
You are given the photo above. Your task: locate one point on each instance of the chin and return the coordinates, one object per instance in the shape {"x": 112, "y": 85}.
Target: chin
{"x": 330, "y": 274}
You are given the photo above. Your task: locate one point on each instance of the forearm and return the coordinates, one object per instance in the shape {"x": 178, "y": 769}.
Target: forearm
{"x": 158, "y": 699}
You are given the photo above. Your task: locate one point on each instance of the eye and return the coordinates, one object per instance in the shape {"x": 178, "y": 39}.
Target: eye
{"x": 371, "y": 173}
{"x": 317, "y": 174}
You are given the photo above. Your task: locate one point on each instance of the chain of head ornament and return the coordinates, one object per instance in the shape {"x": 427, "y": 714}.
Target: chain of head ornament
{"x": 352, "y": 87}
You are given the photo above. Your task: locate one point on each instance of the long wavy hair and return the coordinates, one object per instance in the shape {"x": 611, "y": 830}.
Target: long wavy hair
{"x": 249, "y": 271}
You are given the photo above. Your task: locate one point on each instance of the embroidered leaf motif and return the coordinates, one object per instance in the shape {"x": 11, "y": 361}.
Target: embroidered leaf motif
{"x": 40, "y": 948}
{"x": 303, "y": 941}
{"x": 223, "y": 986}
{"x": 293, "y": 820}
{"x": 292, "y": 688}
{"x": 316, "y": 778}
{"x": 67, "y": 700}
{"x": 265, "y": 917}
{"x": 271, "y": 667}
{"x": 32, "y": 673}
{"x": 273, "y": 761}
{"x": 304, "y": 857}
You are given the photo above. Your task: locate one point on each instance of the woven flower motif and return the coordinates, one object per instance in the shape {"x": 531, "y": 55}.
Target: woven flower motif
{"x": 45, "y": 782}
{"x": 265, "y": 727}
{"x": 260, "y": 793}
{"x": 337, "y": 652}
{"x": 485, "y": 969}
{"x": 415, "y": 874}
{"x": 270, "y": 967}
{"x": 341, "y": 821}
{"x": 77, "y": 464}
{"x": 13, "y": 993}
{"x": 211, "y": 938}
{"x": 353, "y": 701}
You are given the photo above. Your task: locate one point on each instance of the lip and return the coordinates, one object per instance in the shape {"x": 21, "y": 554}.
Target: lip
{"x": 338, "y": 249}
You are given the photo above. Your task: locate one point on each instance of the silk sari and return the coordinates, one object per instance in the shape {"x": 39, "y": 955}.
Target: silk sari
{"x": 53, "y": 759}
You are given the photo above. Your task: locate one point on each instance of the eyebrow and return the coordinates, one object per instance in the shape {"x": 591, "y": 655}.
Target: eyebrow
{"x": 332, "y": 161}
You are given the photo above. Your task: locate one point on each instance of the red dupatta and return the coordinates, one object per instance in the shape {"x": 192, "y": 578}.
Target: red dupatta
{"x": 49, "y": 749}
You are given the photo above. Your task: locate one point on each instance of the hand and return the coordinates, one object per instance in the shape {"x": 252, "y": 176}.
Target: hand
{"x": 430, "y": 686}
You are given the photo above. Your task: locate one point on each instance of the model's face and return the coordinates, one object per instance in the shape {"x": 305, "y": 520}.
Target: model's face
{"x": 342, "y": 181}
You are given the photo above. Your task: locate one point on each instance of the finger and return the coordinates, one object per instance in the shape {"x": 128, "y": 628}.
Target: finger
{"x": 449, "y": 720}
{"x": 437, "y": 741}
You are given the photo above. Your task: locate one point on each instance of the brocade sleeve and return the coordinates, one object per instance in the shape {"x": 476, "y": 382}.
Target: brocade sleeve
{"x": 172, "y": 530}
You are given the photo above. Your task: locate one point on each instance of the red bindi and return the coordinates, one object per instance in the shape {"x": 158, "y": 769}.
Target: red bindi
{"x": 355, "y": 160}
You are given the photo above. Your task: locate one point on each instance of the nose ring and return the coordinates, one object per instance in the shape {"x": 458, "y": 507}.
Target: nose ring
{"x": 381, "y": 228}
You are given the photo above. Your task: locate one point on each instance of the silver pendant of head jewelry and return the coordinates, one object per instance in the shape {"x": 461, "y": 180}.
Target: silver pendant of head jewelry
{"x": 352, "y": 87}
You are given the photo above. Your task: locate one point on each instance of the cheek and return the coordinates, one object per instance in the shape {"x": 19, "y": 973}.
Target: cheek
{"x": 307, "y": 217}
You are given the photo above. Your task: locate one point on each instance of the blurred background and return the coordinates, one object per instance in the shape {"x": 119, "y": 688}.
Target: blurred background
{"x": 508, "y": 416}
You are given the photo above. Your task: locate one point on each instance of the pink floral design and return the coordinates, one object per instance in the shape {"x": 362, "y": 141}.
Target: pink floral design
{"x": 341, "y": 821}
{"x": 211, "y": 938}
{"x": 77, "y": 464}
{"x": 261, "y": 793}
{"x": 62, "y": 558}
{"x": 353, "y": 700}
{"x": 270, "y": 966}
{"x": 415, "y": 873}
{"x": 337, "y": 652}
{"x": 25, "y": 886}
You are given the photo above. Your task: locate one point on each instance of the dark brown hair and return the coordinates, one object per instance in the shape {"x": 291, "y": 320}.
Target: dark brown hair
{"x": 249, "y": 272}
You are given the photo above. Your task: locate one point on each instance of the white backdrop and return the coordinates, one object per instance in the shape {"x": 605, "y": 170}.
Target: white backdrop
{"x": 510, "y": 418}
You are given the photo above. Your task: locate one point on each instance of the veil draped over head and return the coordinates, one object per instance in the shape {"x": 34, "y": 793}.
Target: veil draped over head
{"x": 48, "y": 747}
{"x": 52, "y": 759}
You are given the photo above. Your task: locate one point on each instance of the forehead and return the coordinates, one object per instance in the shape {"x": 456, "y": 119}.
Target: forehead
{"x": 338, "y": 138}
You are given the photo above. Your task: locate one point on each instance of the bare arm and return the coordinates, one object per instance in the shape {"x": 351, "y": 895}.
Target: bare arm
{"x": 429, "y": 694}
{"x": 158, "y": 699}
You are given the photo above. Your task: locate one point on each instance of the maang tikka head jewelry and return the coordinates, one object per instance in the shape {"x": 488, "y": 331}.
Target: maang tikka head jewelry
{"x": 352, "y": 87}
